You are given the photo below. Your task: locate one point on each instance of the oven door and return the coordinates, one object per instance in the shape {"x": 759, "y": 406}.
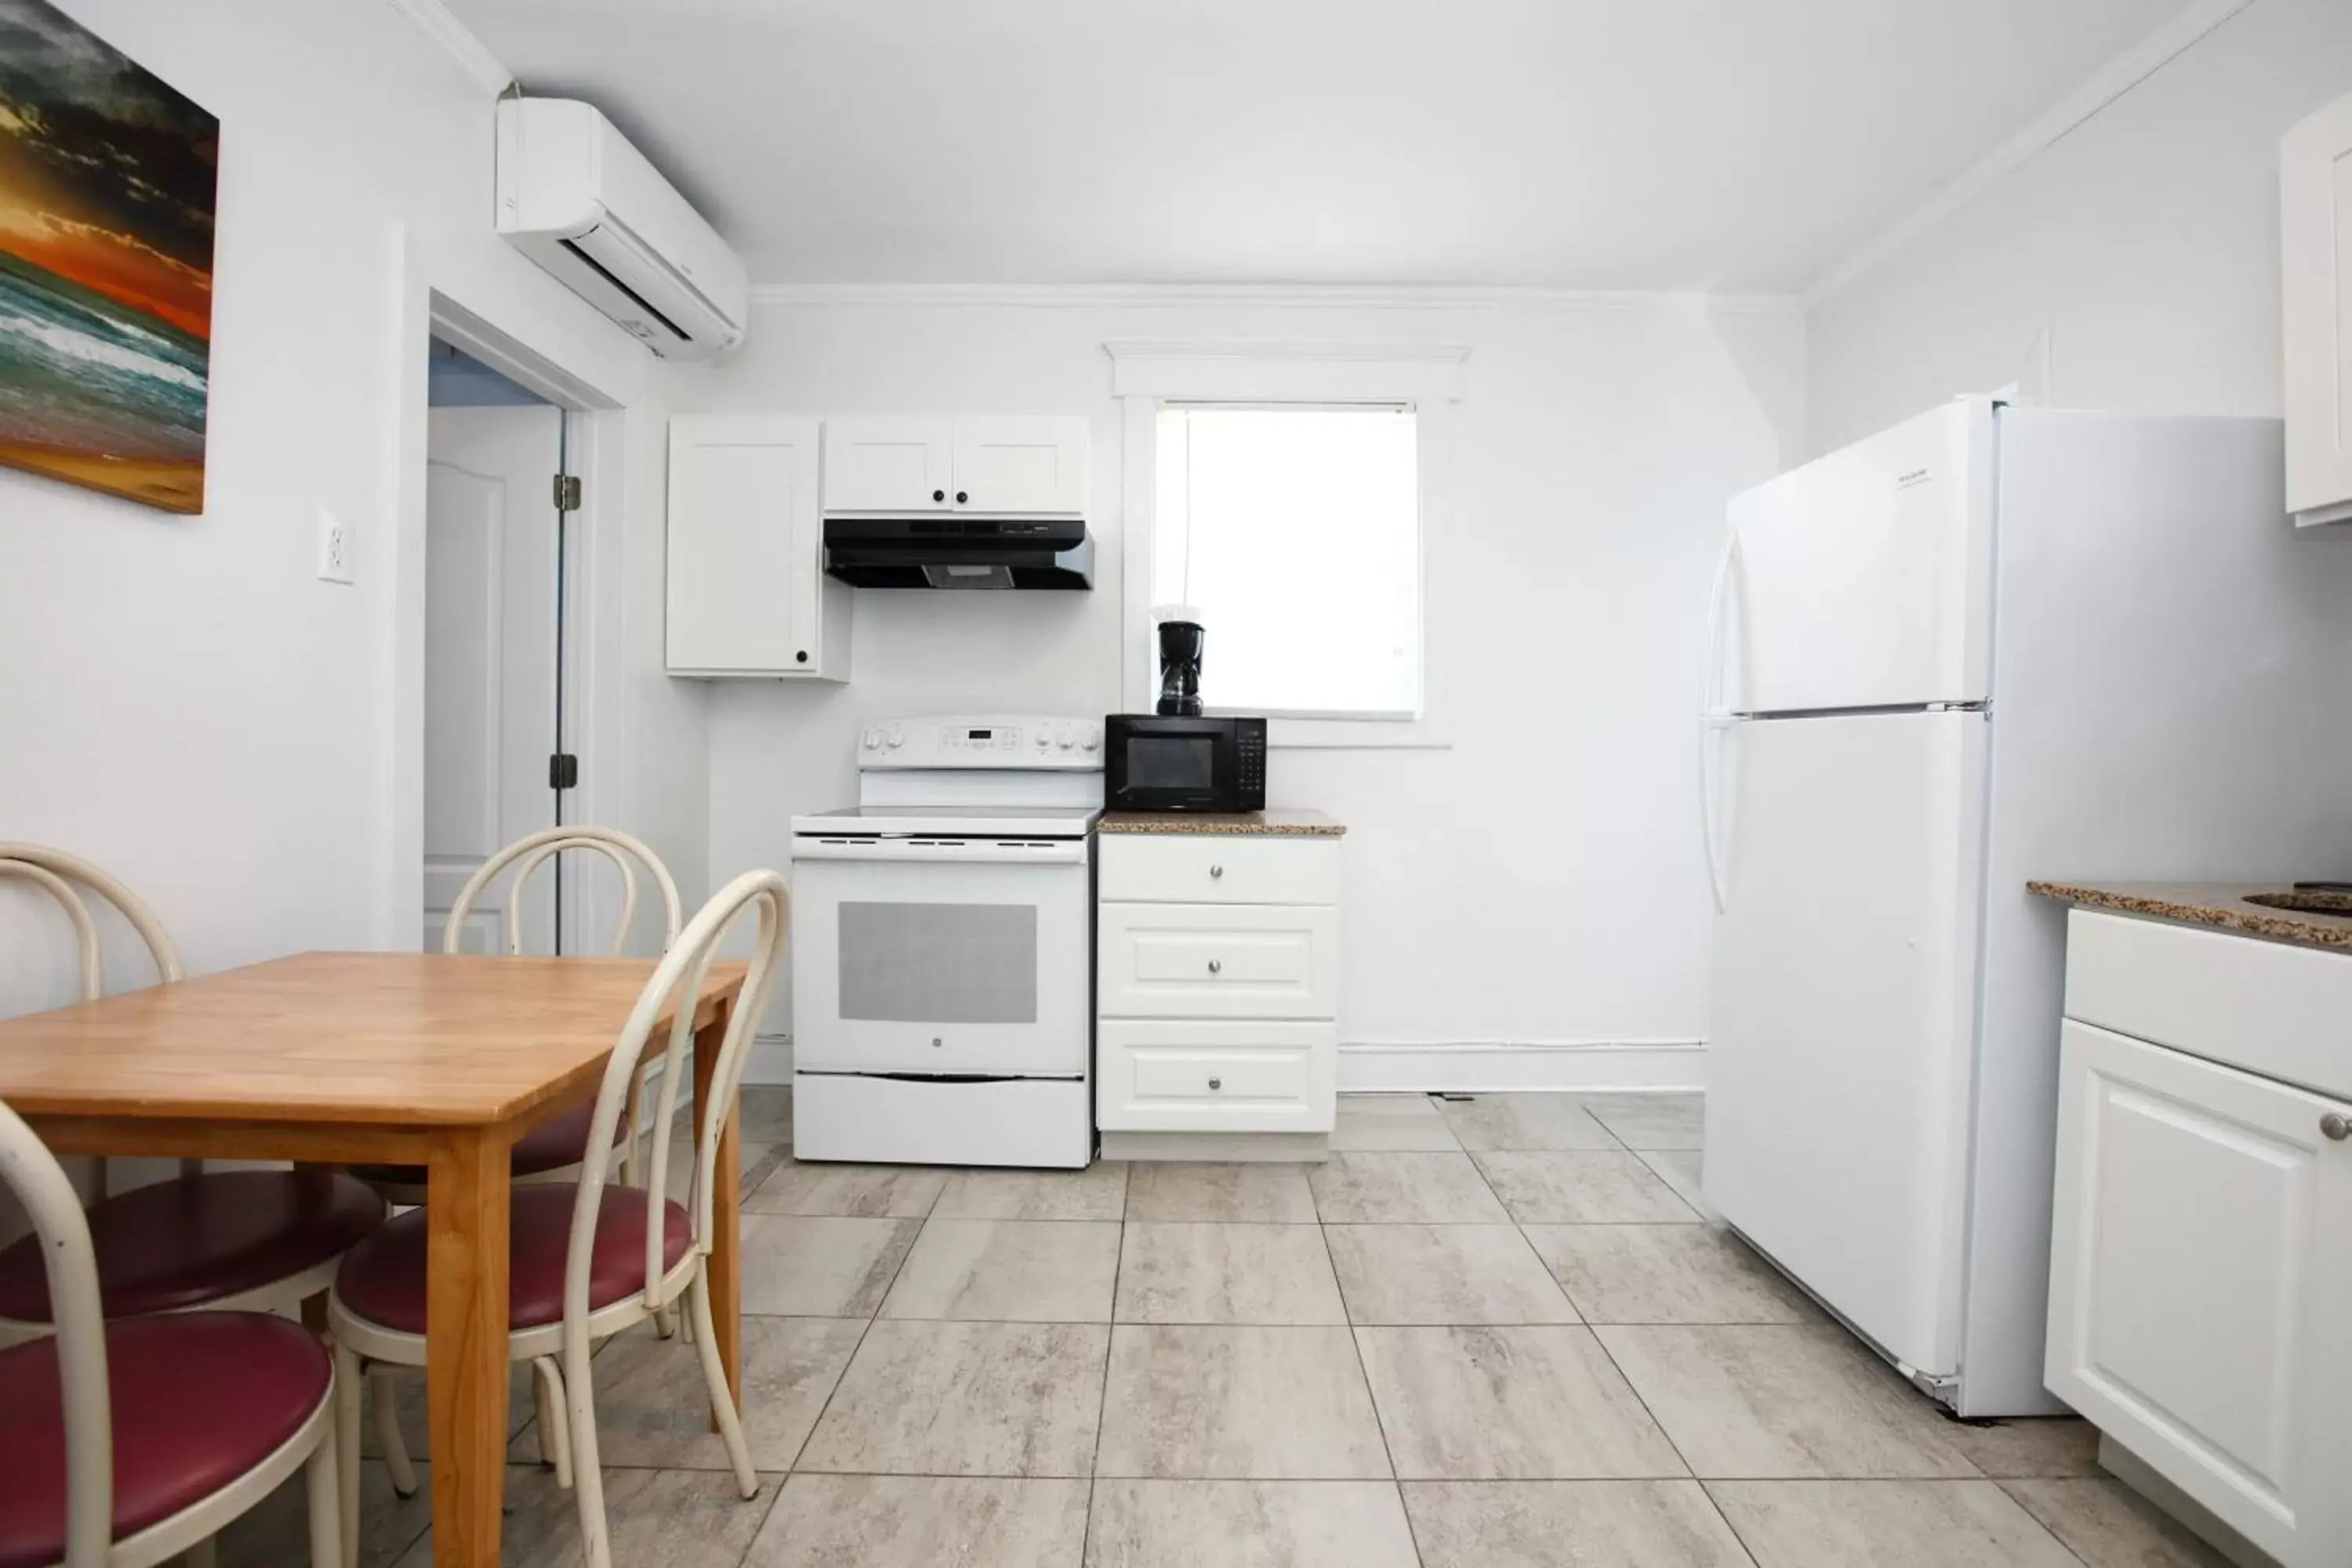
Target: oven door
{"x": 940, "y": 958}
{"x": 1156, "y": 763}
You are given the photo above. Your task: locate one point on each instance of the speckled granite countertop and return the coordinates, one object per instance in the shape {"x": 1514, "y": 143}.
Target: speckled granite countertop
{"x": 2222, "y": 905}
{"x": 1246, "y": 824}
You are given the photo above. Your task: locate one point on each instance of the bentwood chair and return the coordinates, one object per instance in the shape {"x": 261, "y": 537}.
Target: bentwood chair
{"x": 125, "y": 1443}
{"x": 262, "y": 1239}
{"x": 551, "y": 1153}
{"x": 587, "y": 1259}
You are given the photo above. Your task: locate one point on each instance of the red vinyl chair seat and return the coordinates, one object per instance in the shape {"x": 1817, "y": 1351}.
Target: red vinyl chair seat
{"x": 382, "y": 1278}
{"x": 199, "y": 1399}
{"x": 551, "y": 1146}
{"x": 195, "y": 1239}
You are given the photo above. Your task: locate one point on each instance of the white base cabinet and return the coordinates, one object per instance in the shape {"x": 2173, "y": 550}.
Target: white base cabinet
{"x": 2201, "y": 1291}
{"x": 1216, "y": 984}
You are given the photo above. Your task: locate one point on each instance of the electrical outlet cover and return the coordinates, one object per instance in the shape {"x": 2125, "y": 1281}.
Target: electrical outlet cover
{"x": 334, "y": 548}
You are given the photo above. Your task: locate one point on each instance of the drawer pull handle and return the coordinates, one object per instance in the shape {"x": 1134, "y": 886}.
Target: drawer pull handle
{"x": 1217, "y": 967}
{"x": 2335, "y": 1126}
{"x": 1215, "y": 871}
{"x": 1216, "y": 1083}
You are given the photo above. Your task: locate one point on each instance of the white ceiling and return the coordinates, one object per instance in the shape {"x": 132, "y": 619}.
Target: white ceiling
{"x": 1654, "y": 144}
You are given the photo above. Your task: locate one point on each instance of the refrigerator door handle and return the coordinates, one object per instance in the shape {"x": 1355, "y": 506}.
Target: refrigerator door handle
{"x": 1712, "y": 719}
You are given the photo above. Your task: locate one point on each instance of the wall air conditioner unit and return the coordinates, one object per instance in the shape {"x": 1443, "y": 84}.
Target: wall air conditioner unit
{"x": 575, "y": 198}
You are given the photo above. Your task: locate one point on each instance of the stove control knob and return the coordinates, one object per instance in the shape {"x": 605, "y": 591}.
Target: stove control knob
{"x": 1089, "y": 742}
{"x": 1067, "y": 740}
{"x": 873, "y": 740}
{"x": 896, "y": 739}
{"x": 1044, "y": 740}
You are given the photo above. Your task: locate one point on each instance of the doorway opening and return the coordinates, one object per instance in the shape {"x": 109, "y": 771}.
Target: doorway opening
{"x": 502, "y": 699}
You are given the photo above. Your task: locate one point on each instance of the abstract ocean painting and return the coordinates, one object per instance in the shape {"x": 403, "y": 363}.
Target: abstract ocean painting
{"x": 107, "y": 183}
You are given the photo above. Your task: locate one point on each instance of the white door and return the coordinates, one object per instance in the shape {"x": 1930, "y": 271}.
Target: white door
{"x": 896, "y": 466}
{"x": 491, "y": 661}
{"x": 1844, "y": 968}
{"x": 2200, "y": 1285}
{"x": 940, "y": 958}
{"x": 745, "y": 541}
{"x": 1021, "y": 465}
{"x": 2315, "y": 247}
{"x": 1863, "y": 579}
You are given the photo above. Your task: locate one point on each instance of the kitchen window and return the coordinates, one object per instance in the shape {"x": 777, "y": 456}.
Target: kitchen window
{"x": 1293, "y": 533}
{"x": 1291, "y": 497}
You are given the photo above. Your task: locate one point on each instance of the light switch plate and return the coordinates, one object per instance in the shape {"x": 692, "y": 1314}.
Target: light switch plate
{"x": 334, "y": 548}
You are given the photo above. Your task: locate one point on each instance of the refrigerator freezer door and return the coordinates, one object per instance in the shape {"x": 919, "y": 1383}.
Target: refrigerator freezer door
{"x": 1863, "y": 579}
{"x": 1845, "y": 966}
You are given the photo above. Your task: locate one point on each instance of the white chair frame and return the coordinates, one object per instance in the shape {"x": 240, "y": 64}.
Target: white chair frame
{"x": 56, "y": 873}
{"x": 27, "y": 1168}
{"x": 526, "y": 855}
{"x": 360, "y": 1341}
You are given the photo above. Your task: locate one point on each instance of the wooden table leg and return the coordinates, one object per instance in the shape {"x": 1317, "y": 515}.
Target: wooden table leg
{"x": 726, "y": 1265}
{"x": 466, "y": 1342}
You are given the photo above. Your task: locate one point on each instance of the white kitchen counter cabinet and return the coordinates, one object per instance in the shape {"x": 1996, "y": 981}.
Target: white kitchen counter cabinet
{"x": 2200, "y": 1292}
{"x": 1217, "y": 987}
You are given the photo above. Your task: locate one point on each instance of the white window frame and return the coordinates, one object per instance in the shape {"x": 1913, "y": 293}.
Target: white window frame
{"x": 1426, "y": 377}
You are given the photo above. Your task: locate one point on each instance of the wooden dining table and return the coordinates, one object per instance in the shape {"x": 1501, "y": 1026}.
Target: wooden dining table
{"x": 381, "y": 1058}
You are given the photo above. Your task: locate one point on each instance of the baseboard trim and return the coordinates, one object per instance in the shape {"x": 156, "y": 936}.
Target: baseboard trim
{"x": 1475, "y": 1067}
{"x": 1468, "y": 1067}
{"x": 770, "y": 1059}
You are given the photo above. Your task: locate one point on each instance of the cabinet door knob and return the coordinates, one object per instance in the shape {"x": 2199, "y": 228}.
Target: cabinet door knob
{"x": 939, "y": 495}
{"x": 801, "y": 657}
{"x": 2335, "y": 1126}
{"x": 1215, "y": 871}
{"x": 1216, "y": 967}
{"x": 961, "y": 497}
{"x": 1216, "y": 1083}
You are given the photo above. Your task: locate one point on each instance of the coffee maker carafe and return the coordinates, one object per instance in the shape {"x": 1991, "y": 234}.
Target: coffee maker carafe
{"x": 1179, "y": 667}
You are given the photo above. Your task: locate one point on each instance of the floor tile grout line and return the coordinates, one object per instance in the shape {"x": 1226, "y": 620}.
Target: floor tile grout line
{"x": 1387, "y": 1453}
{"x": 1102, "y": 1393}
{"x": 872, "y": 1318}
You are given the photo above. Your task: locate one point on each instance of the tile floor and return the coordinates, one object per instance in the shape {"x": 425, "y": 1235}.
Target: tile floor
{"x": 1487, "y": 1334}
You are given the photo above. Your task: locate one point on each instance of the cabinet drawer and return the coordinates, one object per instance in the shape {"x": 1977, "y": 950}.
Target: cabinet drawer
{"x": 2271, "y": 1008}
{"x": 1219, "y": 869}
{"x": 1207, "y": 961}
{"x": 1215, "y": 1076}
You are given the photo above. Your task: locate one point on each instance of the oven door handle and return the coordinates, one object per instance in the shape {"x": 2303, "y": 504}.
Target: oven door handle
{"x": 945, "y": 851}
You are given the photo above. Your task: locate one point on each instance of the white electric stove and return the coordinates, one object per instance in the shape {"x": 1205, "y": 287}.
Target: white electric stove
{"x": 942, "y": 942}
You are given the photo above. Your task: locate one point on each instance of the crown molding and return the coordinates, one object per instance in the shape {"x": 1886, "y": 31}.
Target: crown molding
{"x": 1267, "y": 296}
{"x": 458, "y": 41}
{"x": 2079, "y": 103}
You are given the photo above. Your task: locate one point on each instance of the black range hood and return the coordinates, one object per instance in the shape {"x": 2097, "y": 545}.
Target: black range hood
{"x": 959, "y": 553}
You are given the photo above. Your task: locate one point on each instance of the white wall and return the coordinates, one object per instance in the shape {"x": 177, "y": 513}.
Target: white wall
{"x": 182, "y": 700}
{"x": 1541, "y": 882}
{"x": 2145, "y": 241}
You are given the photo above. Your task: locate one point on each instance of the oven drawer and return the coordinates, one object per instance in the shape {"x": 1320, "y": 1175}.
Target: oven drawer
{"x": 1208, "y": 961}
{"x": 1215, "y": 1076}
{"x": 1218, "y": 869}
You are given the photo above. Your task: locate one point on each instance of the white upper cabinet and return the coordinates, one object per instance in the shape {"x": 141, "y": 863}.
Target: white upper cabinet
{"x": 1008, "y": 465}
{"x": 746, "y": 591}
{"x": 1021, "y": 466}
{"x": 896, "y": 466}
{"x": 2315, "y": 218}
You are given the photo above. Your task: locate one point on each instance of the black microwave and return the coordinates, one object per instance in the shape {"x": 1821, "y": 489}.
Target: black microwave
{"x": 1155, "y": 762}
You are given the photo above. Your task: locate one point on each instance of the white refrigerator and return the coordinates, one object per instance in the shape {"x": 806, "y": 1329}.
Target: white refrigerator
{"x": 1990, "y": 645}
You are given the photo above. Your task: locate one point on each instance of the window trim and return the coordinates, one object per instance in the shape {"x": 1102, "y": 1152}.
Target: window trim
{"x": 1146, "y": 376}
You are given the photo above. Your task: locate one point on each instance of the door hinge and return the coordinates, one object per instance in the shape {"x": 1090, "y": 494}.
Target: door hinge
{"x": 563, "y": 770}
{"x": 567, "y": 492}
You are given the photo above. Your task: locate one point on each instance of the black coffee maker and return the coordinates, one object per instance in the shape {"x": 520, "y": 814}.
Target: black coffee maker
{"x": 1179, "y": 667}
